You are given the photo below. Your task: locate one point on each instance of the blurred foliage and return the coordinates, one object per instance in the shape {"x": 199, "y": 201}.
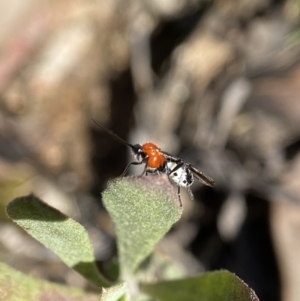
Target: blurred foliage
{"x": 142, "y": 212}
{"x": 213, "y": 82}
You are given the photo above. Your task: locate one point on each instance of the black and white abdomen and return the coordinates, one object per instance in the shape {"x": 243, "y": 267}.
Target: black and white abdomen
{"x": 179, "y": 174}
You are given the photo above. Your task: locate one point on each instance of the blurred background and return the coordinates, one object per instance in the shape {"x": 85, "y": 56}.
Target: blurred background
{"x": 214, "y": 82}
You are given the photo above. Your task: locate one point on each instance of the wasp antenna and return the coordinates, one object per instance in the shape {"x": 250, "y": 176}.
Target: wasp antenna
{"x": 113, "y": 134}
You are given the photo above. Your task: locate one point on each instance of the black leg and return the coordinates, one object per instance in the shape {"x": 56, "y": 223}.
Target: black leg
{"x": 144, "y": 171}
{"x": 131, "y": 163}
{"x": 146, "y": 166}
{"x": 152, "y": 172}
{"x": 179, "y": 198}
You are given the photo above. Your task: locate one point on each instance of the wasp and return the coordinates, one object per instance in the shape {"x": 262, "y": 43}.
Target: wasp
{"x": 157, "y": 161}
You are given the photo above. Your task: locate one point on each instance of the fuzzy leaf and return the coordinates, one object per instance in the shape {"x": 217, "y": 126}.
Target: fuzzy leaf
{"x": 114, "y": 293}
{"x": 143, "y": 209}
{"x": 15, "y": 286}
{"x": 212, "y": 286}
{"x": 59, "y": 233}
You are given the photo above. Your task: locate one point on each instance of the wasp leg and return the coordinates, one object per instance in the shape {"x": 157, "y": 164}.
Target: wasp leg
{"x": 146, "y": 166}
{"x": 151, "y": 172}
{"x": 190, "y": 193}
{"x": 131, "y": 163}
{"x": 144, "y": 171}
{"x": 179, "y": 198}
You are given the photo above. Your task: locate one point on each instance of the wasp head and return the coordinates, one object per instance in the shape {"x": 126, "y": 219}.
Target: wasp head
{"x": 138, "y": 152}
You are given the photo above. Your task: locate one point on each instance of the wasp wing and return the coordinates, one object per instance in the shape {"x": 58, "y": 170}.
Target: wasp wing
{"x": 199, "y": 175}
{"x": 170, "y": 157}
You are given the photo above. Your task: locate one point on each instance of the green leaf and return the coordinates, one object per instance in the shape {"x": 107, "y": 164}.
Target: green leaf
{"x": 159, "y": 266}
{"x": 15, "y": 286}
{"x": 59, "y": 233}
{"x": 114, "y": 293}
{"x": 143, "y": 209}
{"x": 212, "y": 286}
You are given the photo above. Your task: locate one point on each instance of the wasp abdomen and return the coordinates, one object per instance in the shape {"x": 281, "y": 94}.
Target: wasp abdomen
{"x": 179, "y": 174}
